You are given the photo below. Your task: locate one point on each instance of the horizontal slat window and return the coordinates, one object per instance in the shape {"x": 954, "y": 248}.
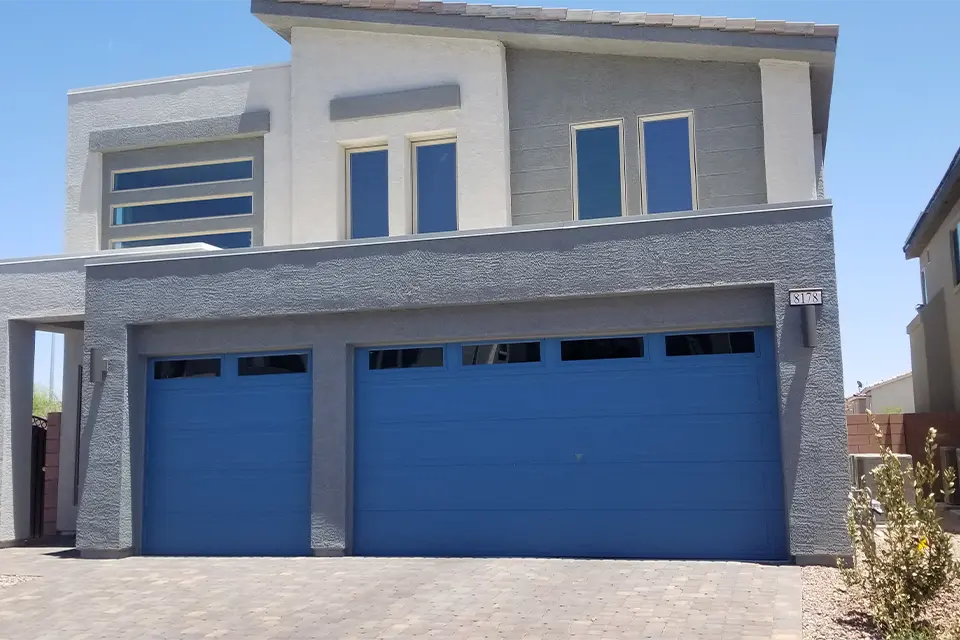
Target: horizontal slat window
{"x": 706, "y": 344}
{"x": 601, "y": 349}
{"x": 172, "y": 369}
{"x": 503, "y": 353}
{"x": 230, "y": 240}
{"x": 272, "y": 364}
{"x": 406, "y": 358}
{"x": 177, "y": 176}
{"x": 183, "y": 210}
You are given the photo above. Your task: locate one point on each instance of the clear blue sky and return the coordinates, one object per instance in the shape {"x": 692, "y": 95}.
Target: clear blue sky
{"x": 894, "y": 124}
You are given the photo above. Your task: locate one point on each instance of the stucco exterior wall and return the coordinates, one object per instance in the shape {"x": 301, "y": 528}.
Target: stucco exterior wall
{"x": 180, "y": 99}
{"x": 895, "y": 396}
{"x": 454, "y": 286}
{"x": 333, "y": 63}
{"x": 935, "y": 332}
{"x": 30, "y": 292}
{"x": 550, "y": 90}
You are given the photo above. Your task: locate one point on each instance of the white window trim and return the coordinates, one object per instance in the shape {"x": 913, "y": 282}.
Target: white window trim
{"x": 599, "y": 124}
{"x": 415, "y": 192}
{"x": 222, "y": 196}
{"x": 673, "y": 115}
{"x": 250, "y": 159}
{"x": 347, "y": 202}
{"x": 114, "y": 241}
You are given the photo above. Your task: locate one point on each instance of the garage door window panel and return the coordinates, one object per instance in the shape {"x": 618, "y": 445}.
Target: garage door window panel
{"x": 188, "y": 368}
{"x": 406, "y": 358}
{"x": 601, "y": 349}
{"x": 500, "y": 353}
{"x": 710, "y": 344}
{"x": 272, "y": 364}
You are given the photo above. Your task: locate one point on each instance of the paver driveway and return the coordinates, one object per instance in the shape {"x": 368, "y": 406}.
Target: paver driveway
{"x": 343, "y": 598}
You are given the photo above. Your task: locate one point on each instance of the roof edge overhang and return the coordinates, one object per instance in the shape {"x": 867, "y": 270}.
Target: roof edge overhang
{"x": 661, "y": 41}
{"x": 946, "y": 195}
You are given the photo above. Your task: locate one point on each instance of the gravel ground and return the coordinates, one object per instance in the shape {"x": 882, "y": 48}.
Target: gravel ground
{"x": 7, "y": 580}
{"x": 830, "y": 614}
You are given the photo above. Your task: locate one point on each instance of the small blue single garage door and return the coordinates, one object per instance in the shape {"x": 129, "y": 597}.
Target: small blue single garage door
{"x": 645, "y": 446}
{"x": 227, "y": 459}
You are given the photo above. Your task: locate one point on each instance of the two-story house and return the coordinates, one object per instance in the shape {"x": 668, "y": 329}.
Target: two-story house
{"x": 935, "y": 330}
{"x": 457, "y": 280}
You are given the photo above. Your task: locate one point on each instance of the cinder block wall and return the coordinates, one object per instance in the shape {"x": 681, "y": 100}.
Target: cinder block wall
{"x": 51, "y": 474}
{"x": 862, "y": 439}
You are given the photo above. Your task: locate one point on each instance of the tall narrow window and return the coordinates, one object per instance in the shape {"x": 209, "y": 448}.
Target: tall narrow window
{"x": 923, "y": 286}
{"x": 367, "y": 193}
{"x": 668, "y": 175}
{"x": 435, "y": 196}
{"x": 598, "y": 171}
{"x": 955, "y": 253}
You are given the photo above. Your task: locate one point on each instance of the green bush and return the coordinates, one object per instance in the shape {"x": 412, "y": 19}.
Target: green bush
{"x": 45, "y": 401}
{"x": 901, "y": 568}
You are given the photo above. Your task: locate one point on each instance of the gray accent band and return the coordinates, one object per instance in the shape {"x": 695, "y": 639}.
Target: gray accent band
{"x": 250, "y": 123}
{"x": 445, "y": 96}
{"x": 328, "y": 553}
{"x": 106, "y": 554}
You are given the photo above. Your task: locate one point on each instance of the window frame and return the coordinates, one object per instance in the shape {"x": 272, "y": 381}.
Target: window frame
{"x": 756, "y": 353}
{"x": 416, "y": 143}
{"x": 347, "y": 203}
{"x": 479, "y": 366}
{"x": 233, "y": 216}
{"x": 198, "y": 163}
{"x": 114, "y": 241}
{"x": 641, "y": 144}
{"x": 574, "y": 177}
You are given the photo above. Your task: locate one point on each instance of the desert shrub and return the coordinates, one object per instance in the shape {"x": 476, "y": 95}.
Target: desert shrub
{"x": 901, "y": 566}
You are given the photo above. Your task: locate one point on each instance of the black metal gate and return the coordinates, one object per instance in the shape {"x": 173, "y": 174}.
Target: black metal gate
{"x": 38, "y": 459}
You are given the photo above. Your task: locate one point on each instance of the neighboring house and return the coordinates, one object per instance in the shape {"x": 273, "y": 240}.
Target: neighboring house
{"x": 494, "y": 281}
{"x": 935, "y": 331}
{"x": 894, "y": 395}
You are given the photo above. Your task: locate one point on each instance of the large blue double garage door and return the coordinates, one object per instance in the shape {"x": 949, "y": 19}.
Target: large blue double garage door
{"x": 646, "y": 446}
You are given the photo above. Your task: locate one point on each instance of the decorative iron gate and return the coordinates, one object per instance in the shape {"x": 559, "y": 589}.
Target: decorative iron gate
{"x": 38, "y": 459}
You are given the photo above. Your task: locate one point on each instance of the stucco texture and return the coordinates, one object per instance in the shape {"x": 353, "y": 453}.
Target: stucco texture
{"x": 324, "y": 65}
{"x": 177, "y": 100}
{"x": 724, "y": 96}
{"x": 632, "y": 274}
{"x": 30, "y": 292}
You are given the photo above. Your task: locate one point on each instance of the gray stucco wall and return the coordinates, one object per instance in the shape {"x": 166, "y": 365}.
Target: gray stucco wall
{"x": 30, "y": 292}
{"x": 550, "y": 90}
{"x": 629, "y": 274}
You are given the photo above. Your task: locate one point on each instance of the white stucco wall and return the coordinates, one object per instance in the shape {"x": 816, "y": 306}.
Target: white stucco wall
{"x": 894, "y": 396}
{"x": 328, "y": 63}
{"x": 178, "y": 99}
{"x": 788, "y": 143}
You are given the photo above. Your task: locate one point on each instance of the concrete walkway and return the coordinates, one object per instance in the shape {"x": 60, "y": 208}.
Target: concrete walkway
{"x": 61, "y": 597}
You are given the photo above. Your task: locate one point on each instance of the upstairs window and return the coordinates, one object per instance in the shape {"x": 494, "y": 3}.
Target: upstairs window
{"x": 955, "y": 253}
{"x": 923, "y": 286}
{"x": 367, "y": 193}
{"x": 183, "y": 210}
{"x": 435, "y": 185}
{"x": 228, "y": 240}
{"x": 183, "y": 175}
{"x": 597, "y": 170}
{"x": 668, "y": 176}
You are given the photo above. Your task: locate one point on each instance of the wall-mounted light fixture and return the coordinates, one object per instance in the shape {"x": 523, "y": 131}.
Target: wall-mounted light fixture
{"x": 808, "y": 300}
{"x": 98, "y": 366}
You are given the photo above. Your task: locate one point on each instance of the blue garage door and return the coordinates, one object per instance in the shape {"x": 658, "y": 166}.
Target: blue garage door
{"x": 646, "y": 446}
{"x": 227, "y": 461}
